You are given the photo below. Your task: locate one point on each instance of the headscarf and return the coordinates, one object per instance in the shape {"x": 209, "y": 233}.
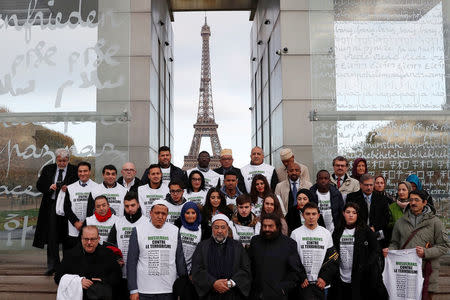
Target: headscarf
{"x": 414, "y": 179}
{"x": 308, "y": 194}
{"x": 355, "y": 165}
{"x": 190, "y": 226}
{"x": 408, "y": 187}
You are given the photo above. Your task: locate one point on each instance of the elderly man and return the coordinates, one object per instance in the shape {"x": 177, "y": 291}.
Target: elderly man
{"x": 51, "y": 229}
{"x": 220, "y": 265}
{"x": 113, "y": 191}
{"x": 226, "y": 162}
{"x": 287, "y": 156}
{"x": 276, "y": 266}
{"x": 421, "y": 229}
{"x": 155, "y": 256}
{"x": 212, "y": 179}
{"x": 94, "y": 263}
{"x": 257, "y": 166}
{"x": 343, "y": 182}
{"x": 128, "y": 179}
{"x": 287, "y": 189}
{"x": 153, "y": 190}
{"x": 169, "y": 171}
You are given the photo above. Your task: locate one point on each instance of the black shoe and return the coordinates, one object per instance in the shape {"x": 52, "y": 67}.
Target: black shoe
{"x": 50, "y": 272}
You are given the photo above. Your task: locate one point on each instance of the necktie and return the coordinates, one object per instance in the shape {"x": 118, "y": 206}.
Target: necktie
{"x": 294, "y": 193}
{"x": 60, "y": 176}
{"x": 339, "y": 182}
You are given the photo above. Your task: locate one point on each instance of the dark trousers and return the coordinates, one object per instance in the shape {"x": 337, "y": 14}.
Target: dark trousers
{"x": 312, "y": 292}
{"x": 156, "y": 296}
{"x": 57, "y": 227}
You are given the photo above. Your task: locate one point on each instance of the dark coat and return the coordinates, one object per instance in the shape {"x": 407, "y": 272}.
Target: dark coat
{"x": 43, "y": 185}
{"x": 276, "y": 267}
{"x": 203, "y": 280}
{"x": 379, "y": 211}
{"x": 134, "y": 187}
{"x": 337, "y": 203}
{"x": 241, "y": 182}
{"x": 175, "y": 174}
{"x": 366, "y": 277}
{"x": 100, "y": 264}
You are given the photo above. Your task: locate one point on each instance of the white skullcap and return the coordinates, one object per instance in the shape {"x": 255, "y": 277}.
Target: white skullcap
{"x": 160, "y": 202}
{"x": 220, "y": 217}
{"x": 286, "y": 153}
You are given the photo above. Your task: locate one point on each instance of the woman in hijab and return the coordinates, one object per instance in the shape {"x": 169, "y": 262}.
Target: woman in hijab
{"x": 294, "y": 218}
{"x": 416, "y": 185}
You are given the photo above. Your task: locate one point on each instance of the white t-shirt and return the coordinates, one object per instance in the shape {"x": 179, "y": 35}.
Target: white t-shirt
{"x": 103, "y": 227}
{"x": 256, "y": 207}
{"x": 402, "y": 274}
{"x": 249, "y": 171}
{"x": 196, "y": 197}
{"x": 174, "y": 212}
{"x": 325, "y": 209}
{"x": 114, "y": 195}
{"x": 165, "y": 176}
{"x": 244, "y": 234}
{"x": 190, "y": 240}
{"x": 147, "y": 195}
{"x": 79, "y": 196}
{"x": 346, "y": 246}
{"x": 312, "y": 247}
{"x": 211, "y": 178}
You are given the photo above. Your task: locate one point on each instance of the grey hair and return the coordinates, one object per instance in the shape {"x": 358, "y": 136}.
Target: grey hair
{"x": 62, "y": 152}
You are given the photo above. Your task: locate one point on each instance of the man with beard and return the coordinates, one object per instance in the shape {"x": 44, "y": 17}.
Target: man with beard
{"x": 169, "y": 171}
{"x": 220, "y": 265}
{"x": 226, "y": 162}
{"x": 120, "y": 233}
{"x": 276, "y": 265}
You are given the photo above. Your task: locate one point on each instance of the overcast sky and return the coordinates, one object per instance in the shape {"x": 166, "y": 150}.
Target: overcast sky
{"x": 230, "y": 70}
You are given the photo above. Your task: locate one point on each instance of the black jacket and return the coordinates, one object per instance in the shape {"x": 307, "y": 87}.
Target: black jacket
{"x": 241, "y": 182}
{"x": 276, "y": 267}
{"x": 134, "y": 187}
{"x": 379, "y": 211}
{"x": 99, "y": 264}
{"x": 175, "y": 174}
{"x": 337, "y": 203}
{"x": 43, "y": 185}
{"x": 366, "y": 273}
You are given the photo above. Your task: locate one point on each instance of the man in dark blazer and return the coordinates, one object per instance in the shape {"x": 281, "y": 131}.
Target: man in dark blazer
{"x": 128, "y": 179}
{"x": 373, "y": 208}
{"x": 51, "y": 229}
{"x": 226, "y": 162}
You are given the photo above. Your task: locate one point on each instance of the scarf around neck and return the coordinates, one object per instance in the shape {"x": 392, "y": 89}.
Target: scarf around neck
{"x": 103, "y": 218}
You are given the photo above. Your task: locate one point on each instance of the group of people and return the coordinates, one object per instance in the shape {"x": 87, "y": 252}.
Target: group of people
{"x": 228, "y": 233}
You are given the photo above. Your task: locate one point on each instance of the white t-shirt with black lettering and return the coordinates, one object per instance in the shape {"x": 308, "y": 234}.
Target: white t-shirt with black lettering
{"x": 346, "y": 246}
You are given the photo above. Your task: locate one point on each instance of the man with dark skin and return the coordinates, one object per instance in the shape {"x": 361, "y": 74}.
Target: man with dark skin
{"x": 328, "y": 198}
{"x": 230, "y": 188}
{"x": 212, "y": 179}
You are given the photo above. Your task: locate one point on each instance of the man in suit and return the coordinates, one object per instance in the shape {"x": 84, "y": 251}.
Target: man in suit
{"x": 226, "y": 162}
{"x": 374, "y": 208}
{"x": 51, "y": 229}
{"x": 287, "y": 189}
{"x": 287, "y": 156}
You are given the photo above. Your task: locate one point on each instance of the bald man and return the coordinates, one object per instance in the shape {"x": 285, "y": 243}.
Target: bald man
{"x": 128, "y": 178}
{"x": 257, "y": 166}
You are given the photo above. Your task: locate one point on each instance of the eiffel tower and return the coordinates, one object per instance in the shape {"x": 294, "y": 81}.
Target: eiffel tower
{"x": 206, "y": 125}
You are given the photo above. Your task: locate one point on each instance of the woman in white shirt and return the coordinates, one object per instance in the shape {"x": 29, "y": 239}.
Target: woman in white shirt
{"x": 359, "y": 271}
{"x": 196, "y": 191}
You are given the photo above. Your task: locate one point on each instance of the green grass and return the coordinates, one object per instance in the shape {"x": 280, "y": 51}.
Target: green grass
{"x": 31, "y": 213}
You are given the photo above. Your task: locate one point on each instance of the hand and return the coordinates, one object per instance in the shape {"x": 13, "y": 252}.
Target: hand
{"x": 304, "y": 283}
{"x": 86, "y": 283}
{"x": 373, "y": 229}
{"x": 220, "y": 286}
{"x": 53, "y": 187}
{"x": 64, "y": 188}
{"x": 120, "y": 262}
{"x": 321, "y": 283}
{"x": 78, "y": 225}
{"x": 385, "y": 251}
{"x": 420, "y": 251}
{"x": 97, "y": 279}
{"x": 134, "y": 296}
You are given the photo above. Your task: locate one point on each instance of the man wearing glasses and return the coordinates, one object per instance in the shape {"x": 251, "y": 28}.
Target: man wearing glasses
{"x": 226, "y": 162}
{"x": 90, "y": 265}
{"x": 343, "y": 182}
{"x": 128, "y": 179}
{"x": 175, "y": 201}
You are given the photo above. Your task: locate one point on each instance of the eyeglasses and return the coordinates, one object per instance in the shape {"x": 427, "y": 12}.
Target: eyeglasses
{"x": 415, "y": 200}
{"x": 129, "y": 170}
{"x": 175, "y": 191}
{"x": 89, "y": 239}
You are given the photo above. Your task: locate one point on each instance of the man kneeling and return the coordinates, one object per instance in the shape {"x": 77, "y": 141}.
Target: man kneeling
{"x": 90, "y": 270}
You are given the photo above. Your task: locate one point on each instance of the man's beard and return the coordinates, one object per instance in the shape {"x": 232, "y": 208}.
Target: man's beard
{"x": 269, "y": 235}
